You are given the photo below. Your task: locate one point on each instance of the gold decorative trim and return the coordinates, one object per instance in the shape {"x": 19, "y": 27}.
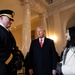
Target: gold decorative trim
{"x": 9, "y": 59}
{"x": 8, "y": 15}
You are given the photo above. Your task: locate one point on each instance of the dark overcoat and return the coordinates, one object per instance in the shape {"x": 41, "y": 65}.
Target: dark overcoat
{"x": 43, "y": 60}
{"x": 7, "y": 43}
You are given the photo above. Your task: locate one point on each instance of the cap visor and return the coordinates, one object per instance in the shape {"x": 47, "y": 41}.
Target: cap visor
{"x": 10, "y": 18}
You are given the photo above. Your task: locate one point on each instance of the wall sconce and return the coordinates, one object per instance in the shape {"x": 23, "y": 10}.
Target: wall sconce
{"x": 54, "y": 37}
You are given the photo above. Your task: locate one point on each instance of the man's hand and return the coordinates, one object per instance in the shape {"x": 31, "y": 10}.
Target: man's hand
{"x": 31, "y": 71}
{"x": 54, "y": 72}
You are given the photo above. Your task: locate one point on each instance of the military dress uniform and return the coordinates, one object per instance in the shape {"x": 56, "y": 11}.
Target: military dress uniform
{"x": 7, "y": 44}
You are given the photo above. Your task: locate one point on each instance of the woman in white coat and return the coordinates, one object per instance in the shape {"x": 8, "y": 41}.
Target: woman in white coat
{"x": 68, "y": 62}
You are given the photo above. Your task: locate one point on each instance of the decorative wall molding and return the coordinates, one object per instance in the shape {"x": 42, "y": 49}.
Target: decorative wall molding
{"x": 22, "y": 2}
{"x": 66, "y": 4}
{"x": 49, "y": 1}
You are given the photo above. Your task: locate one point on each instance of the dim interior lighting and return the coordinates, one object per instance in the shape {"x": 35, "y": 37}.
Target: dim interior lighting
{"x": 54, "y": 38}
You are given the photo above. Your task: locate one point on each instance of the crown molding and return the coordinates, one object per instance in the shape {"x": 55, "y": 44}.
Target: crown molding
{"x": 66, "y": 4}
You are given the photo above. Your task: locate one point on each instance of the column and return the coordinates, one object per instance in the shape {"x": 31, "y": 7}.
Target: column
{"x": 26, "y": 28}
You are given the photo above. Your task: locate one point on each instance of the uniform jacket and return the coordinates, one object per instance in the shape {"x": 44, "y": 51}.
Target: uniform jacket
{"x": 7, "y": 43}
{"x": 69, "y": 67}
{"x": 43, "y": 60}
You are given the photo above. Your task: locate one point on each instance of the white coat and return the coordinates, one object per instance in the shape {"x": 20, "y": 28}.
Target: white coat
{"x": 69, "y": 67}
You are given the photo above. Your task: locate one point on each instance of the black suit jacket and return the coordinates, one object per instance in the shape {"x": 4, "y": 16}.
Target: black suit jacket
{"x": 43, "y": 60}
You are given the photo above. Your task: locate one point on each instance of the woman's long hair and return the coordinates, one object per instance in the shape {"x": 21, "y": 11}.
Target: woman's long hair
{"x": 71, "y": 42}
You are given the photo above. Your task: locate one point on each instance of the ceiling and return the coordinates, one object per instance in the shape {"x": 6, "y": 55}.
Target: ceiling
{"x": 15, "y": 5}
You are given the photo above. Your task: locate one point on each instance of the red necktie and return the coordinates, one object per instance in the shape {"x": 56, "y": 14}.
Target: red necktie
{"x": 41, "y": 42}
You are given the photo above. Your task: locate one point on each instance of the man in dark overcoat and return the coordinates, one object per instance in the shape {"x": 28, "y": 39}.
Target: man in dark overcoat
{"x": 42, "y": 57}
